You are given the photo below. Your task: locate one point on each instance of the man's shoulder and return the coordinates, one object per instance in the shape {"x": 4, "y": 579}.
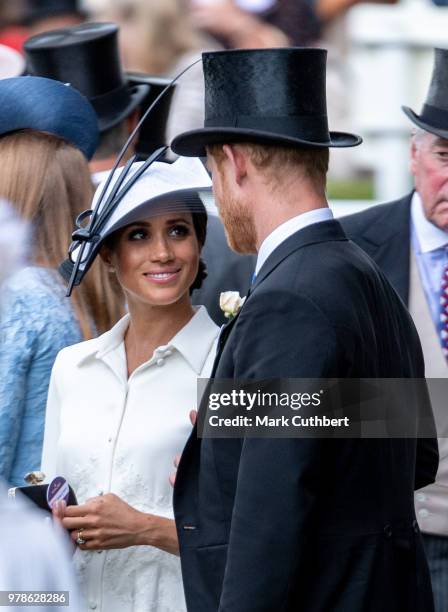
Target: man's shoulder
{"x": 333, "y": 274}
{"x": 377, "y": 217}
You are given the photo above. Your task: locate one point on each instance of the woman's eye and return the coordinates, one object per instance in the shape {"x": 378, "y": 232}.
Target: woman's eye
{"x": 179, "y": 231}
{"x": 137, "y": 234}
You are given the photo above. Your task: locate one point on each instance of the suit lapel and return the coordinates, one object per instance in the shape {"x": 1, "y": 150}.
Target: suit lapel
{"x": 387, "y": 241}
{"x": 318, "y": 232}
{"x": 225, "y": 332}
{"x": 312, "y": 234}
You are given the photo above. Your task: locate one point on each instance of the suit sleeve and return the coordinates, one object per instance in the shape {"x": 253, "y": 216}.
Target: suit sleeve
{"x": 278, "y": 479}
{"x": 427, "y": 457}
{"x": 427, "y": 462}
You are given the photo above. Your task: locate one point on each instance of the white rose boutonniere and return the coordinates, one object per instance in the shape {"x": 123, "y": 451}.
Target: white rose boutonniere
{"x": 230, "y": 303}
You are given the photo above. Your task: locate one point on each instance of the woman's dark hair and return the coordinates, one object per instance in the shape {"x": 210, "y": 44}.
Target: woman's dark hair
{"x": 200, "y": 228}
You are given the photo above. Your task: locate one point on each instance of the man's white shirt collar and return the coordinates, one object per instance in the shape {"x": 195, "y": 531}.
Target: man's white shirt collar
{"x": 429, "y": 236}
{"x": 287, "y": 229}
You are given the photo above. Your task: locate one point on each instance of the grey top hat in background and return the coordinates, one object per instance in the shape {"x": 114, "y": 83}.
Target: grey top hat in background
{"x": 87, "y": 57}
{"x": 434, "y": 115}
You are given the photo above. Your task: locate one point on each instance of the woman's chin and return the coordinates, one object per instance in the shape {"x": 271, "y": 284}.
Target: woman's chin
{"x": 164, "y": 296}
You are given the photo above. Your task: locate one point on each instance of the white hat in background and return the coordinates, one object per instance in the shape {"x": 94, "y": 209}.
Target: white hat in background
{"x": 12, "y": 64}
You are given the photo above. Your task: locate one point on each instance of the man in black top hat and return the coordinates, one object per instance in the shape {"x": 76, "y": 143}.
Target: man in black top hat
{"x": 87, "y": 57}
{"x": 408, "y": 239}
{"x": 297, "y": 524}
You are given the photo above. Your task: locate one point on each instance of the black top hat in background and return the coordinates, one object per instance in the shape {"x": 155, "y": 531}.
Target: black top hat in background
{"x": 87, "y": 57}
{"x": 271, "y": 96}
{"x": 434, "y": 115}
{"x": 152, "y": 133}
{"x": 35, "y": 10}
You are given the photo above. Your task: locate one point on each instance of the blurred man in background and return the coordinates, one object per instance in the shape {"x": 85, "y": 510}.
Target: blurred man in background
{"x": 87, "y": 57}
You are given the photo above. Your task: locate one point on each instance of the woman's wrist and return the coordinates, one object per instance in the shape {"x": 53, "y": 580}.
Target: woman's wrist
{"x": 144, "y": 530}
{"x": 157, "y": 531}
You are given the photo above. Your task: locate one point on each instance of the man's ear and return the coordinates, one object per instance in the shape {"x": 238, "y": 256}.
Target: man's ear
{"x": 414, "y": 156}
{"x": 238, "y": 161}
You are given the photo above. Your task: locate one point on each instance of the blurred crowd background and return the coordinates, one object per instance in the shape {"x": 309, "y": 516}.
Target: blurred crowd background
{"x": 379, "y": 58}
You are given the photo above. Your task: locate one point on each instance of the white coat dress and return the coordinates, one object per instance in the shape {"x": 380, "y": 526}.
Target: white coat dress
{"x": 106, "y": 432}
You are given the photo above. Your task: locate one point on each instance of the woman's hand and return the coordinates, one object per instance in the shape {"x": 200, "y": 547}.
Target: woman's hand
{"x": 104, "y": 522}
{"x": 108, "y": 522}
{"x": 172, "y": 476}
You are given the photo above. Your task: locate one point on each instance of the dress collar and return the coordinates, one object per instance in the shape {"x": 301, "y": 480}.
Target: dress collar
{"x": 429, "y": 236}
{"x": 195, "y": 352}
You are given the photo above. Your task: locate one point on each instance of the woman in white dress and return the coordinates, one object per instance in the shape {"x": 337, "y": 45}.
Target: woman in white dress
{"x": 118, "y": 406}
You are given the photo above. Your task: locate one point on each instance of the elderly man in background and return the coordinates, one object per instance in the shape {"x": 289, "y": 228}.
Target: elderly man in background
{"x": 408, "y": 239}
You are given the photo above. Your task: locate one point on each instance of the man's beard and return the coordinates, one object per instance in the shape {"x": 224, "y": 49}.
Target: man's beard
{"x": 238, "y": 223}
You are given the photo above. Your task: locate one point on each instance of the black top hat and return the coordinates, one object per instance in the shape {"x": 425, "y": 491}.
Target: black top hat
{"x": 86, "y": 56}
{"x": 41, "y": 9}
{"x": 271, "y": 96}
{"x": 434, "y": 115}
{"x": 152, "y": 133}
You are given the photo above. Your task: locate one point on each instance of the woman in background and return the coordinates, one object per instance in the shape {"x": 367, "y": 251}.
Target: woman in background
{"x": 47, "y": 132}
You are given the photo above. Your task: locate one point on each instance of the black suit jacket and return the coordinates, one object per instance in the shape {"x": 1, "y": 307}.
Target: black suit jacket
{"x": 384, "y": 233}
{"x": 312, "y": 525}
{"x": 226, "y": 270}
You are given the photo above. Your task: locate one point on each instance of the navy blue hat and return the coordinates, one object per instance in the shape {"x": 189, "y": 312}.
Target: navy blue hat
{"x": 48, "y": 106}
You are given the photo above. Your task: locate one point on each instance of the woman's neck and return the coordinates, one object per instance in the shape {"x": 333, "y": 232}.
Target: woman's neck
{"x": 151, "y": 327}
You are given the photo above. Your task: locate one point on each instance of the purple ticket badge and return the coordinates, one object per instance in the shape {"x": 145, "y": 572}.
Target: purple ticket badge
{"x": 58, "y": 490}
